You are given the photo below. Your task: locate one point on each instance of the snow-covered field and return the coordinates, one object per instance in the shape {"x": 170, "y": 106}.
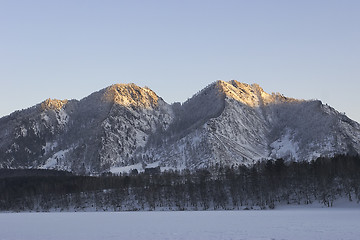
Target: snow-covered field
{"x": 267, "y": 224}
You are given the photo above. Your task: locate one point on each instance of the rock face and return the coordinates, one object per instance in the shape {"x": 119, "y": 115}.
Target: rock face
{"x": 125, "y": 126}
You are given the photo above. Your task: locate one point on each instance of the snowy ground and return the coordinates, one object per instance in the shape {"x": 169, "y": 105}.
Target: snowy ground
{"x": 312, "y": 223}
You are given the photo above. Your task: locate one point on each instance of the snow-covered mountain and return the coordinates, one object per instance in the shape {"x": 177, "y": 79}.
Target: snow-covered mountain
{"x": 125, "y": 126}
{"x": 231, "y": 122}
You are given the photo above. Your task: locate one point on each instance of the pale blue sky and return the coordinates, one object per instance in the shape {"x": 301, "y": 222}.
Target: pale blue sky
{"x": 69, "y": 49}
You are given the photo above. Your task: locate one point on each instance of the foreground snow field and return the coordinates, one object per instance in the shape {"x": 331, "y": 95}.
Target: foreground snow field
{"x": 268, "y": 224}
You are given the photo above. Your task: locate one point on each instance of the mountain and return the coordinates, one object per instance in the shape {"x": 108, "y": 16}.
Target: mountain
{"x": 124, "y": 127}
{"x": 86, "y": 136}
{"x": 234, "y": 123}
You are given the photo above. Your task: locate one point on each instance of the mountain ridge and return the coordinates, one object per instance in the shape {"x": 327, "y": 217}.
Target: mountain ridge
{"x": 125, "y": 126}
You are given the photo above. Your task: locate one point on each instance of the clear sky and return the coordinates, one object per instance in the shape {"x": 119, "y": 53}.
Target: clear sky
{"x": 69, "y": 49}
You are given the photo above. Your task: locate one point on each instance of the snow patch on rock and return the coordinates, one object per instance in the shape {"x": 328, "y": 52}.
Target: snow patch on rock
{"x": 55, "y": 161}
{"x": 285, "y": 147}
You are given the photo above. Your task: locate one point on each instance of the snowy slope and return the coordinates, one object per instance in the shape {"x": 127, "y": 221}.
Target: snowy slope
{"x": 125, "y": 125}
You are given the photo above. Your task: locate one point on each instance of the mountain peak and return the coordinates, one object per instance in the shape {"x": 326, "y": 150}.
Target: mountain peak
{"x": 131, "y": 95}
{"x": 53, "y": 104}
{"x": 252, "y": 95}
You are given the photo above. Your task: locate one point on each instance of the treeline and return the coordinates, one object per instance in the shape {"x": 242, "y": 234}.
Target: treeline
{"x": 263, "y": 185}
{"x": 6, "y": 173}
